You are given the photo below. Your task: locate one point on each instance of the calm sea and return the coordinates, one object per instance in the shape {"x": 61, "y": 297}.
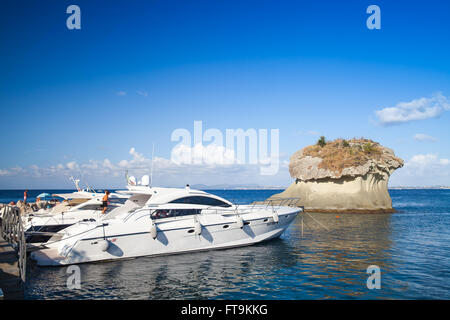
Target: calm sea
{"x": 411, "y": 247}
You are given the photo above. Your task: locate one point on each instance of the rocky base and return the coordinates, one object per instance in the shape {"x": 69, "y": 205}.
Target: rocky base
{"x": 366, "y": 194}
{"x": 31, "y": 207}
{"x": 356, "y": 211}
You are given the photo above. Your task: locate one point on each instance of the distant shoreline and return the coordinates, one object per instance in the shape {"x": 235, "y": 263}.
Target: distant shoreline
{"x": 419, "y": 188}
{"x": 192, "y": 187}
{"x": 237, "y": 188}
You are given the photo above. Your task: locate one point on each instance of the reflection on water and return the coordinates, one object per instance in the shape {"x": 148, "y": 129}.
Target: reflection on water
{"x": 337, "y": 258}
{"x": 411, "y": 248}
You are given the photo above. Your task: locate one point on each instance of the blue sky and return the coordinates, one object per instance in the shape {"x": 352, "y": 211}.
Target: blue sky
{"x": 138, "y": 70}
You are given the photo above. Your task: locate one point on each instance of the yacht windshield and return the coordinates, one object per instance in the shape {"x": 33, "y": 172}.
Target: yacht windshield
{"x": 208, "y": 201}
{"x": 128, "y": 207}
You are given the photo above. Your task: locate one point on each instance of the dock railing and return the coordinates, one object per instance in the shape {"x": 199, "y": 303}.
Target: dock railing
{"x": 12, "y": 231}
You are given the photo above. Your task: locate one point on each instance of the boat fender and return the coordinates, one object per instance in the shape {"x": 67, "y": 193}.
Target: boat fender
{"x": 153, "y": 231}
{"x": 104, "y": 245}
{"x": 240, "y": 222}
{"x": 275, "y": 217}
{"x": 198, "y": 228}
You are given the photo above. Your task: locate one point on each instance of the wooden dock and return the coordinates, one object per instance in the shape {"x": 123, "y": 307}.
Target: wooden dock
{"x": 10, "y": 280}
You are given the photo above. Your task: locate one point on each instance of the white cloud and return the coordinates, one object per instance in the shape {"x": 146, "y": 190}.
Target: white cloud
{"x": 107, "y": 164}
{"x": 429, "y": 165}
{"x": 218, "y": 166}
{"x": 123, "y": 163}
{"x": 199, "y": 154}
{"x": 72, "y": 165}
{"x": 139, "y": 92}
{"x": 137, "y": 157}
{"x": 90, "y": 165}
{"x": 142, "y": 93}
{"x": 417, "y": 109}
{"x": 12, "y": 171}
{"x": 424, "y": 137}
{"x": 423, "y": 170}
{"x": 422, "y": 160}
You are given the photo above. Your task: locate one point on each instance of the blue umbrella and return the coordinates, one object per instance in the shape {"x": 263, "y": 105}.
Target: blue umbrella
{"x": 44, "y": 195}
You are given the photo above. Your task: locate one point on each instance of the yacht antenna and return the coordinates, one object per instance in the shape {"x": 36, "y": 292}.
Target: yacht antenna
{"x": 89, "y": 188}
{"x": 76, "y": 181}
{"x": 151, "y": 170}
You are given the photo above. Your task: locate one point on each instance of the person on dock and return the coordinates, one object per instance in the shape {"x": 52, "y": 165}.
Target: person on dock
{"x": 105, "y": 202}
{"x": 25, "y": 196}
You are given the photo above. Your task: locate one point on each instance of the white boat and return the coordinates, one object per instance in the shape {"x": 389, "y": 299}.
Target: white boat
{"x": 161, "y": 221}
{"x": 81, "y": 205}
{"x": 40, "y": 226}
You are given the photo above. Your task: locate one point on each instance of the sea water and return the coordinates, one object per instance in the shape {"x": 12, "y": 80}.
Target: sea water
{"x": 411, "y": 248}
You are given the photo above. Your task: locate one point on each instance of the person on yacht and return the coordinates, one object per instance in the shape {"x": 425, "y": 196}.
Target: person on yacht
{"x": 105, "y": 202}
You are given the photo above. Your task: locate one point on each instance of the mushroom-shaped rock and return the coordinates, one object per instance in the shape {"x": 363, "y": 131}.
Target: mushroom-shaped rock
{"x": 343, "y": 176}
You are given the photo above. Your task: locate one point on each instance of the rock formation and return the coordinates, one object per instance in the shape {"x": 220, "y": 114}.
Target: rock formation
{"x": 39, "y": 207}
{"x": 342, "y": 176}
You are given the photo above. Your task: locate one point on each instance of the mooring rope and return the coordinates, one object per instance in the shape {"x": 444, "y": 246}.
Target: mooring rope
{"x": 315, "y": 220}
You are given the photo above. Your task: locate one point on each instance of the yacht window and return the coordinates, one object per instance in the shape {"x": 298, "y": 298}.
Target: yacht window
{"x": 201, "y": 200}
{"x": 160, "y": 214}
{"x": 184, "y": 212}
{"x": 166, "y": 213}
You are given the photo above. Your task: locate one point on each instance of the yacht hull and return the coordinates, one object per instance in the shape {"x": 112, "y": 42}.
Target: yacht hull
{"x": 131, "y": 240}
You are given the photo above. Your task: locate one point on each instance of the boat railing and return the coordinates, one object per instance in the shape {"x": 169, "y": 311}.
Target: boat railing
{"x": 279, "y": 202}
{"x": 274, "y": 204}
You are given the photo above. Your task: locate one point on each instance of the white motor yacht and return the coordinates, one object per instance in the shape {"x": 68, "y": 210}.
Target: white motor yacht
{"x": 40, "y": 226}
{"x": 161, "y": 221}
